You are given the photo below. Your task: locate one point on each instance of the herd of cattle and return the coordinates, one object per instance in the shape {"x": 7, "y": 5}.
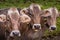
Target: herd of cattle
{"x": 26, "y": 23}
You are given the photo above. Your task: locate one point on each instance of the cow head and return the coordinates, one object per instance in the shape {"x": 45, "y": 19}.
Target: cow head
{"x": 33, "y": 12}
{"x": 51, "y": 15}
{"x": 13, "y": 22}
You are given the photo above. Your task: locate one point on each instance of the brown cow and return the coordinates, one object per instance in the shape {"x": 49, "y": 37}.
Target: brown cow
{"x": 51, "y": 15}
{"x": 11, "y": 19}
{"x": 33, "y": 29}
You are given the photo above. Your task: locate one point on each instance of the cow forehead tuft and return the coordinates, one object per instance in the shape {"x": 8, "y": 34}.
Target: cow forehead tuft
{"x": 13, "y": 11}
{"x": 13, "y": 8}
{"x": 36, "y": 5}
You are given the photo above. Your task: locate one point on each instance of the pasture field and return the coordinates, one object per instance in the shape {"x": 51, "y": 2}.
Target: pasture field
{"x": 44, "y": 4}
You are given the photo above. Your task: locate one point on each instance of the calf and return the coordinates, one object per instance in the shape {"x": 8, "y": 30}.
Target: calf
{"x": 10, "y": 20}
{"x": 33, "y": 31}
{"x": 51, "y": 15}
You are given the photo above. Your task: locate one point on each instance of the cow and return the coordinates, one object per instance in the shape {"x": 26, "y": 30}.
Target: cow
{"x": 11, "y": 20}
{"x": 33, "y": 31}
{"x": 51, "y": 14}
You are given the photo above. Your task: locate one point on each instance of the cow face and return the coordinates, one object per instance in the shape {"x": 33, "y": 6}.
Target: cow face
{"x": 13, "y": 21}
{"x": 51, "y": 15}
{"x": 35, "y": 16}
{"x": 34, "y": 12}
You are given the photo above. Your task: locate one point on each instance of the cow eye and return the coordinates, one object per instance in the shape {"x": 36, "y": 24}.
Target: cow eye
{"x": 30, "y": 14}
{"x": 7, "y": 20}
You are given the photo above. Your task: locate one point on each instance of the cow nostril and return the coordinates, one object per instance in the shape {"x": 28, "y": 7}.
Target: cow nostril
{"x": 37, "y": 26}
{"x": 53, "y": 28}
{"x": 15, "y": 33}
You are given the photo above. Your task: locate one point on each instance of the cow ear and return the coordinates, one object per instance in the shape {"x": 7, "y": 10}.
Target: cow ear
{"x": 2, "y": 18}
{"x": 46, "y": 13}
{"x": 25, "y": 11}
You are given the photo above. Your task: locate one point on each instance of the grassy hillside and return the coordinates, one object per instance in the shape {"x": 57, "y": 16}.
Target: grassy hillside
{"x": 25, "y": 3}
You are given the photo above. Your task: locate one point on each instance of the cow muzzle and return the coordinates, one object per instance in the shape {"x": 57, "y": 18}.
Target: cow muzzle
{"x": 36, "y": 27}
{"x": 52, "y": 28}
{"x": 15, "y": 33}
